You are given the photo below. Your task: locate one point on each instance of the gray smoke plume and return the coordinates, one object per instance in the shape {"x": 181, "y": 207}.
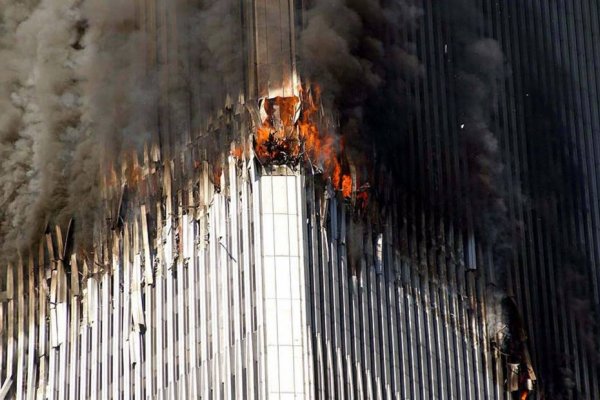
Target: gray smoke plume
{"x": 215, "y": 43}
{"x": 346, "y": 44}
{"x": 81, "y": 88}
{"x": 71, "y": 103}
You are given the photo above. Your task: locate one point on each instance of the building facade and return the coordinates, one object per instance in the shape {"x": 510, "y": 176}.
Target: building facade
{"x": 216, "y": 275}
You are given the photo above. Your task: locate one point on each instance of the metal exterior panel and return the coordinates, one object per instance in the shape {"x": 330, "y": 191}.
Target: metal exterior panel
{"x": 260, "y": 296}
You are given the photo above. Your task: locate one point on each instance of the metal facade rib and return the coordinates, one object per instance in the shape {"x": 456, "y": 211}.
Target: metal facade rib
{"x": 272, "y": 288}
{"x": 315, "y": 329}
{"x": 549, "y": 124}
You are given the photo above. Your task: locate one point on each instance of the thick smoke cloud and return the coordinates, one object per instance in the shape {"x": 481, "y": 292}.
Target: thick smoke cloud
{"x": 77, "y": 90}
{"x": 215, "y": 42}
{"x": 82, "y": 84}
{"x": 361, "y": 54}
{"x": 356, "y": 52}
{"x": 347, "y": 44}
{"x": 364, "y": 55}
{"x": 72, "y": 100}
{"x": 41, "y": 104}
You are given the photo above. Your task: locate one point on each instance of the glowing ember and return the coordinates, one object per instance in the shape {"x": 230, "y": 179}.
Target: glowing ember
{"x": 362, "y": 199}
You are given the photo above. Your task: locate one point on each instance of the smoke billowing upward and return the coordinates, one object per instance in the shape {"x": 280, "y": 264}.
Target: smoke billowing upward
{"x": 79, "y": 91}
{"x": 85, "y": 82}
{"x": 365, "y": 57}
{"x": 81, "y": 86}
{"x": 42, "y": 96}
{"x": 73, "y": 99}
{"x": 356, "y": 52}
{"x": 215, "y": 41}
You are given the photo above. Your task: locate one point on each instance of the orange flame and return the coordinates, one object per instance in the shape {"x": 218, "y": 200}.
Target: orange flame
{"x": 237, "y": 152}
{"x": 276, "y": 141}
{"x": 524, "y": 395}
{"x": 133, "y": 170}
{"x": 336, "y": 176}
{"x": 347, "y": 186}
{"x": 125, "y": 171}
{"x": 283, "y": 140}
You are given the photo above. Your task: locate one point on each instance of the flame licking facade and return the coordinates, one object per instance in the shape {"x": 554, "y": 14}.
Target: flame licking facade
{"x": 262, "y": 269}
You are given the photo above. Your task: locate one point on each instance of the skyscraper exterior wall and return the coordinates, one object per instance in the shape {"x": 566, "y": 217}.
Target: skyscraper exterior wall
{"x": 545, "y": 120}
{"x": 222, "y": 277}
{"x": 248, "y": 295}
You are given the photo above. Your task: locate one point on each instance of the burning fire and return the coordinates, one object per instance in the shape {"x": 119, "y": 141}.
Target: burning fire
{"x": 133, "y": 170}
{"x": 130, "y": 172}
{"x": 237, "y": 152}
{"x": 336, "y": 176}
{"x": 290, "y": 134}
{"x": 276, "y": 139}
{"x": 347, "y": 185}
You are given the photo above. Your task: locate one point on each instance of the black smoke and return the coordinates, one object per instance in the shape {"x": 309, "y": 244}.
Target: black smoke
{"x": 368, "y": 57}
{"x": 356, "y": 52}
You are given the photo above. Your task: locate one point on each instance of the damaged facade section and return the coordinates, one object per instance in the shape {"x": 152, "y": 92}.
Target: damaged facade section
{"x": 271, "y": 286}
{"x": 265, "y": 273}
